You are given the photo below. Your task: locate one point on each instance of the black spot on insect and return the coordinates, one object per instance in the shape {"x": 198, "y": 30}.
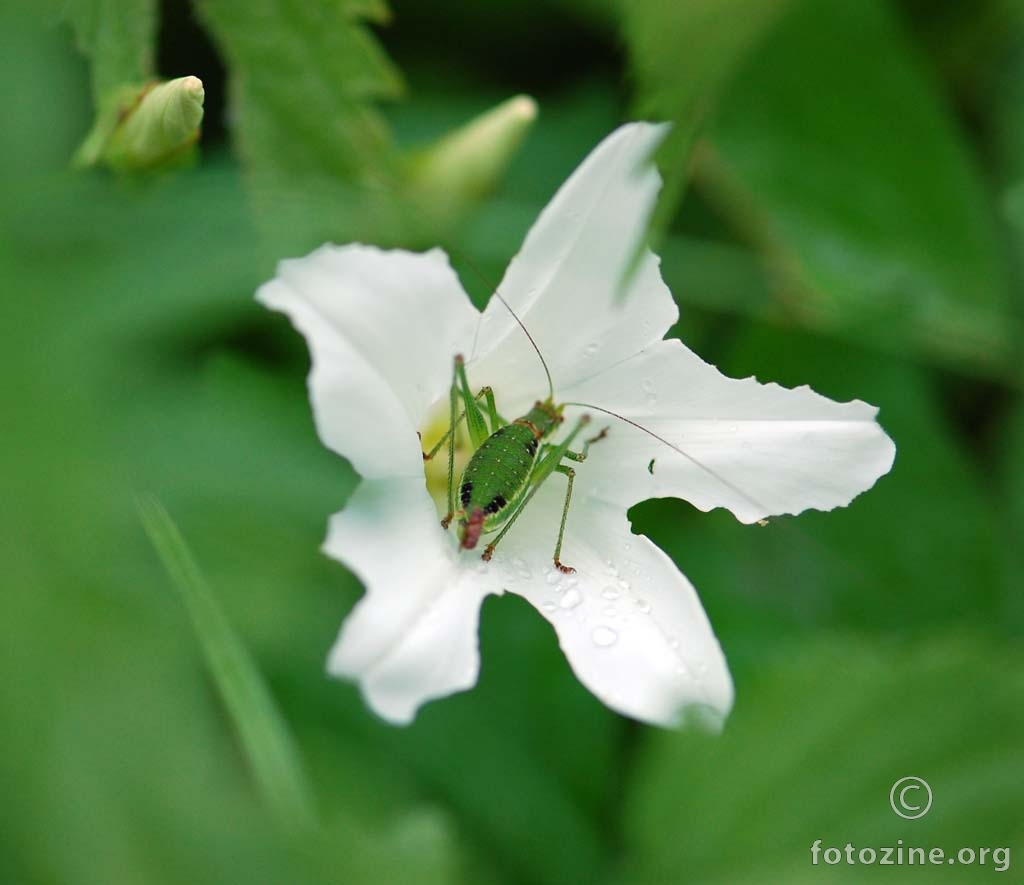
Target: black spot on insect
{"x": 466, "y": 493}
{"x": 531, "y": 447}
{"x": 650, "y": 467}
{"x": 497, "y": 502}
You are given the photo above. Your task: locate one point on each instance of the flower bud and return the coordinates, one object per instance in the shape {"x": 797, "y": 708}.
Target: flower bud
{"x": 467, "y": 163}
{"x": 147, "y": 128}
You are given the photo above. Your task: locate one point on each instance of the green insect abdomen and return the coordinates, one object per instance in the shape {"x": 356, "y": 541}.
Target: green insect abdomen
{"x": 498, "y": 472}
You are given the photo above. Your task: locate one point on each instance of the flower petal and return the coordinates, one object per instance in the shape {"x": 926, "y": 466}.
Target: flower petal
{"x": 382, "y": 328}
{"x": 564, "y": 283}
{"x": 413, "y": 636}
{"x": 629, "y": 622}
{"x": 757, "y": 449}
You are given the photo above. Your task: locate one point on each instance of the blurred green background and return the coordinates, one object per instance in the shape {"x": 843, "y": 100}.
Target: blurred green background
{"x": 844, "y": 208}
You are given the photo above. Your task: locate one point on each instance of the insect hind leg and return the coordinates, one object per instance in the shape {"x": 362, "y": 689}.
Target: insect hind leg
{"x": 571, "y": 474}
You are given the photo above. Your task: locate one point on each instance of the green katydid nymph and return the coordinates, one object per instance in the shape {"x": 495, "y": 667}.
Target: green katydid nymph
{"x": 511, "y": 460}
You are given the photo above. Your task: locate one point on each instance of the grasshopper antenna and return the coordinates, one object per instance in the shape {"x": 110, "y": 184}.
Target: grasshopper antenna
{"x": 515, "y": 316}
{"x": 854, "y": 568}
{"x": 733, "y": 488}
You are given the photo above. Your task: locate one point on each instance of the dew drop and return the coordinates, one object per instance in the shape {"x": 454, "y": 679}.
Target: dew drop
{"x": 673, "y": 643}
{"x": 553, "y": 577}
{"x": 603, "y": 636}
{"x": 643, "y": 606}
{"x": 610, "y": 611}
{"x": 571, "y": 599}
{"x": 571, "y": 581}
{"x": 591, "y": 348}
{"x": 549, "y": 606}
{"x": 624, "y": 584}
{"x": 610, "y": 593}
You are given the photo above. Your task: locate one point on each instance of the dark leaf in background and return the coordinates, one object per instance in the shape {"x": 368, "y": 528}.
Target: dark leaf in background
{"x": 682, "y": 57}
{"x": 835, "y": 156}
{"x": 305, "y": 78}
{"x": 118, "y": 37}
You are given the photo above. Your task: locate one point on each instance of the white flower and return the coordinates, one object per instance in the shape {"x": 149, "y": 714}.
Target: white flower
{"x": 383, "y": 328}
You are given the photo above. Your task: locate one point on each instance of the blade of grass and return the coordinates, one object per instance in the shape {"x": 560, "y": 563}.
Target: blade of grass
{"x": 262, "y": 731}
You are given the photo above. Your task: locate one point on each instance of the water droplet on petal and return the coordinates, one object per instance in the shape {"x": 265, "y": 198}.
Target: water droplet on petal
{"x": 553, "y": 577}
{"x": 643, "y": 606}
{"x": 624, "y": 584}
{"x": 549, "y": 606}
{"x": 571, "y": 581}
{"x": 591, "y": 348}
{"x": 610, "y": 611}
{"x": 571, "y": 599}
{"x": 610, "y": 593}
{"x": 603, "y": 636}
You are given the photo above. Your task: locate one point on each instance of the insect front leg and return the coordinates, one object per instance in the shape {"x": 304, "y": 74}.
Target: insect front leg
{"x": 453, "y": 397}
{"x": 497, "y": 421}
{"x": 474, "y": 421}
{"x": 582, "y": 455}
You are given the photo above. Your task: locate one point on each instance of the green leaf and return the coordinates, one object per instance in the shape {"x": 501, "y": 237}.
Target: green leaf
{"x": 835, "y": 156}
{"x": 682, "y": 56}
{"x": 1011, "y": 503}
{"x": 1013, "y": 204}
{"x": 818, "y": 738}
{"x": 305, "y": 77}
{"x": 118, "y": 36}
{"x": 262, "y": 731}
